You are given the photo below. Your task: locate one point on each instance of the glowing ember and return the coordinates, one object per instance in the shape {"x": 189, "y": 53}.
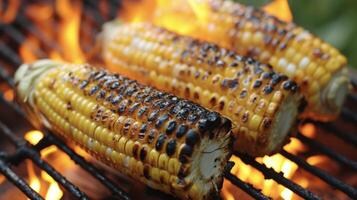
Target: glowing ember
{"x": 280, "y": 9}
{"x": 34, "y": 136}
{"x": 9, "y": 95}
{"x": 308, "y": 130}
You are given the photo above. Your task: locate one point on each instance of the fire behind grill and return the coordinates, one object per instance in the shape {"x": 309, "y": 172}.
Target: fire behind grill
{"x": 13, "y": 35}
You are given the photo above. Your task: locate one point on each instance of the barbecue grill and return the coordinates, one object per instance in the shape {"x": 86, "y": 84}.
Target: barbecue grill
{"x": 14, "y": 122}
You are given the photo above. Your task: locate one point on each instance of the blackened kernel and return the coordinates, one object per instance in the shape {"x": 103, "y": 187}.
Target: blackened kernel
{"x": 114, "y": 85}
{"x": 233, "y": 64}
{"x": 243, "y": 94}
{"x": 245, "y": 117}
{"x": 171, "y": 147}
{"x": 257, "y": 83}
{"x": 142, "y": 110}
{"x": 224, "y": 83}
{"x": 109, "y": 98}
{"x": 287, "y": 85}
{"x": 183, "y": 172}
{"x": 213, "y": 118}
{"x": 183, "y": 113}
{"x": 192, "y": 117}
{"x": 152, "y": 116}
{"x": 130, "y": 91}
{"x": 233, "y": 83}
{"x": 148, "y": 99}
{"x": 160, "y": 142}
{"x": 115, "y": 100}
{"x": 100, "y": 75}
{"x": 93, "y": 90}
{"x": 266, "y": 123}
{"x": 143, "y": 128}
{"x": 203, "y": 125}
{"x": 143, "y": 153}
{"x": 191, "y": 137}
{"x": 275, "y": 79}
{"x": 83, "y": 84}
{"x": 294, "y": 87}
{"x": 161, "y": 120}
{"x": 266, "y": 75}
{"x": 171, "y": 127}
{"x": 136, "y": 150}
{"x": 151, "y": 135}
{"x": 133, "y": 107}
{"x": 181, "y": 131}
{"x": 268, "y": 89}
{"x": 121, "y": 108}
{"x": 186, "y": 151}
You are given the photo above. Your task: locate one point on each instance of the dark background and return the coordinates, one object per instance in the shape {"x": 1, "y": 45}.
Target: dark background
{"x": 335, "y": 21}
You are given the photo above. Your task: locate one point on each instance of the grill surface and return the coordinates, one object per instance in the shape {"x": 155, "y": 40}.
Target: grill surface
{"x": 14, "y": 34}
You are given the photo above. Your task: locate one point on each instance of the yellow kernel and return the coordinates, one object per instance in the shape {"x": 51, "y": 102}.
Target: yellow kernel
{"x": 153, "y": 157}
{"x": 174, "y": 166}
{"x": 254, "y": 122}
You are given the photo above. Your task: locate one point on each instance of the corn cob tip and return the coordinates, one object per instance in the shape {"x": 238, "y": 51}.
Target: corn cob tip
{"x": 27, "y": 74}
{"x": 335, "y": 92}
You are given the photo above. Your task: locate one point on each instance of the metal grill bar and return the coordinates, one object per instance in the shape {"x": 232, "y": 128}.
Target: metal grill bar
{"x": 349, "y": 190}
{"x": 248, "y": 188}
{"x": 349, "y": 115}
{"x": 88, "y": 167}
{"x": 24, "y": 150}
{"x": 350, "y": 138}
{"x": 17, "y": 181}
{"x": 270, "y": 173}
{"x": 332, "y": 154}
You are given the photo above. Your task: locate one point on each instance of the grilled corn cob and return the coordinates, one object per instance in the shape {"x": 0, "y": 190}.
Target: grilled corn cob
{"x": 262, "y": 104}
{"x": 170, "y": 144}
{"x": 316, "y": 66}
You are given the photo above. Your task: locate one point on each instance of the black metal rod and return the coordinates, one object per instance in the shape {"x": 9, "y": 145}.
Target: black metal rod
{"x": 18, "y": 181}
{"x": 70, "y": 187}
{"x": 88, "y": 167}
{"x": 349, "y": 190}
{"x": 349, "y": 115}
{"x": 328, "y": 151}
{"x": 9, "y": 54}
{"x": 32, "y": 29}
{"x": 24, "y": 148}
{"x": 270, "y": 173}
{"x": 19, "y": 38}
{"x": 350, "y": 138}
{"x": 5, "y": 76}
{"x": 248, "y": 188}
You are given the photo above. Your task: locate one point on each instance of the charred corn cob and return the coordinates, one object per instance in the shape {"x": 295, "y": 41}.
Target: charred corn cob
{"x": 170, "y": 144}
{"x": 316, "y": 66}
{"x": 262, "y": 104}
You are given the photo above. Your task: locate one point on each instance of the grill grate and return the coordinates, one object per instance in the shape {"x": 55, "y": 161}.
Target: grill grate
{"x": 24, "y": 150}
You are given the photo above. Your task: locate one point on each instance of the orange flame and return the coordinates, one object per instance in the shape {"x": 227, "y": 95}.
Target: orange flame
{"x": 34, "y": 136}
{"x": 280, "y": 9}
{"x": 67, "y": 32}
